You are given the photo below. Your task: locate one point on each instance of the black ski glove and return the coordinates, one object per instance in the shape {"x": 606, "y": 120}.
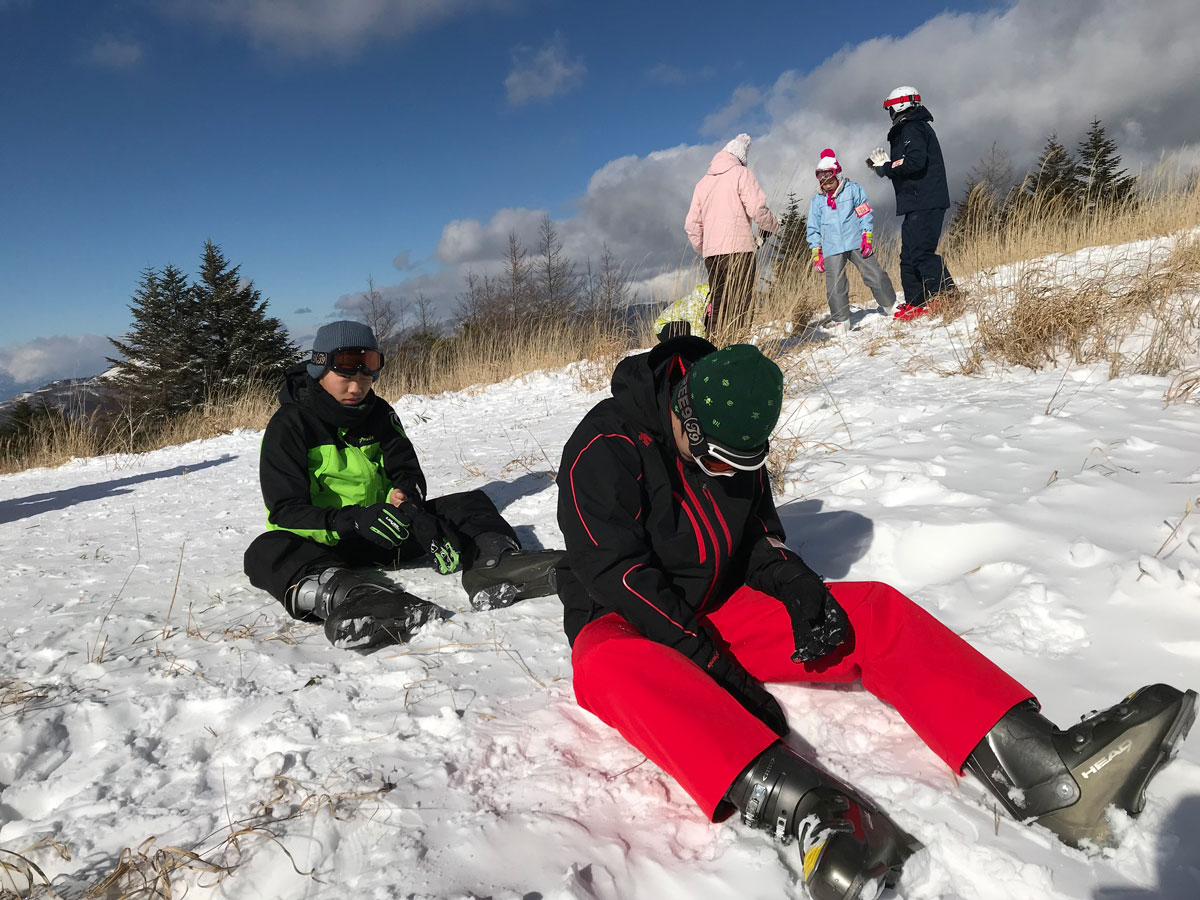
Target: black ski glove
{"x": 380, "y": 524}
{"x": 745, "y": 689}
{"x": 436, "y": 535}
{"x": 819, "y": 624}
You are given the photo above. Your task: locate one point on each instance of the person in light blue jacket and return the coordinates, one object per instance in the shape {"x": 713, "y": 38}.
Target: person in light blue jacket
{"x": 839, "y": 232}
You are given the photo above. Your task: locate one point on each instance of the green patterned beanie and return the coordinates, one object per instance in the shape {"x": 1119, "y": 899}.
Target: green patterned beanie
{"x": 736, "y": 394}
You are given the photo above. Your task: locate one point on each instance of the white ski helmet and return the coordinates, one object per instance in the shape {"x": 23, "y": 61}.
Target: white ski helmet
{"x": 902, "y": 98}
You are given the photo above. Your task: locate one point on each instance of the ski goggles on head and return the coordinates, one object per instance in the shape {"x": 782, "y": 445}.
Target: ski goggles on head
{"x": 350, "y": 360}
{"x": 713, "y": 458}
{"x": 823, "y": 174}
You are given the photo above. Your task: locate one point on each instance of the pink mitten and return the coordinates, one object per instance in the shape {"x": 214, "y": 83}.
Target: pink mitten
{"x": 818, "y": 260}
{"x": 867, "y": 249}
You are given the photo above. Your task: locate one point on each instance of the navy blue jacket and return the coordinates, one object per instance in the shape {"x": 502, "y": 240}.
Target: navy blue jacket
{"x": 920, "y": 177}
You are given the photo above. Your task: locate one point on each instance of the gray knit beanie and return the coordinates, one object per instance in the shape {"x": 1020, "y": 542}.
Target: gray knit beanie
{"x": 337, "y": 336}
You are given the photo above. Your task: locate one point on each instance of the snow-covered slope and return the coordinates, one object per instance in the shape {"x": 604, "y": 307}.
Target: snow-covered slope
{"x": 151, "y": 699}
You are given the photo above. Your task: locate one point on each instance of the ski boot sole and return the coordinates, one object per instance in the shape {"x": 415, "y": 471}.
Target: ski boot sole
{"x": 520, "y": 575}
{"x": 356, "y": 626}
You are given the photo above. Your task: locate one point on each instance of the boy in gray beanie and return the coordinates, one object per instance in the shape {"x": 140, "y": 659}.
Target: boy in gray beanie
{"x": 344, "y": 490}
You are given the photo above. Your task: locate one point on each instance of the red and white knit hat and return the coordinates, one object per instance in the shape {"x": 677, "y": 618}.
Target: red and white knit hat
{"x": 829, "y": 161}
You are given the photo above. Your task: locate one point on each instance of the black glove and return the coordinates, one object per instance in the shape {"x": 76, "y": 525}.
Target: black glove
{"x": 819, "y": 624}
{"x": 435, "y": 535}
{"x": 380, "y": 524}
{"x": 755, "y": 699}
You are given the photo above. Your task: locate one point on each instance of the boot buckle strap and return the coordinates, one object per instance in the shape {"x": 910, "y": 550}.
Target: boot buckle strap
{"x": 758, "y": 796}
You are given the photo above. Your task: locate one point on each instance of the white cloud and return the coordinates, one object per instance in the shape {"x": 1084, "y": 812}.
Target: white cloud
{"x": 47, "y": 359}
{"x": 305, "y": 27}
{"x": 542, "y": 73}
{"x": 1010, "y": 77}
{"x": 735, "y": 115}
{"x": 114, "y": 53}
{"x": 466, "y": 241}
{"x": 402, "y": 261}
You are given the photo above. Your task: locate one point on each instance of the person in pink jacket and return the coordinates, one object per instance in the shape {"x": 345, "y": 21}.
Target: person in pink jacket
{"x": 724, "y": 204}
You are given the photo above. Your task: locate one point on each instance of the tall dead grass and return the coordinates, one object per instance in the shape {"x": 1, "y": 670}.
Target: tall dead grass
{"x": 58, "y": 439}
{"x": 487, "y": 357}
{"x": 1139, "y": 316}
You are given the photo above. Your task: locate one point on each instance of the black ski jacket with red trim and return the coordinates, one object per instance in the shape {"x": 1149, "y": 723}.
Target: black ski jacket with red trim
{"x": 649, "y": 536}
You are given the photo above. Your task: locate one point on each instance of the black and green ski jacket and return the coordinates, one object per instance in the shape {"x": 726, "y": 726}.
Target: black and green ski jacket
{"x": 319, "y": 456}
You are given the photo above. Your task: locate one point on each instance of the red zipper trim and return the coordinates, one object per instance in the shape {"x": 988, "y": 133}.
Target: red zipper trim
{"x": 711, "y": 533}
{"x": 720, "y": 518}
{"x": 648, "y": 603}
{"x": 695, "y": 526}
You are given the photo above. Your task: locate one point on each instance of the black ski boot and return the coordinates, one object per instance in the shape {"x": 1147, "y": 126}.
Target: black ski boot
{"x": 502, "y": 573}
{"x": 849, "y": 849}
{"x": 360, "y": 614}
{"x": 1065, "y": 780}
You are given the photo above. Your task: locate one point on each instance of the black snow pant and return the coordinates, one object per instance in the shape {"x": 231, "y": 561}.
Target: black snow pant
{"x": 731, "y": 282}
{"x": 922, "y": 272}
{"x": 277, "y": 560}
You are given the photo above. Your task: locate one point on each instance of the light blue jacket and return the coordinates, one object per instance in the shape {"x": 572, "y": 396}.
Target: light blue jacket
{"x": 838, "y": 230}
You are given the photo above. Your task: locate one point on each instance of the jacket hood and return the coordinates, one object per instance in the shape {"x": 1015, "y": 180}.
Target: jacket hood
{"x": 723, "y": 162}
{"x": 297, "y": 385}
{"x": 913, "y": 114}
{"x": 302, "y": 389}
{"x": 641, "y": 383}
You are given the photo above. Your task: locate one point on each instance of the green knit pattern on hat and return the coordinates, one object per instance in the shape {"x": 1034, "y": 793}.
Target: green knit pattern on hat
{"x": 737, "y": 393}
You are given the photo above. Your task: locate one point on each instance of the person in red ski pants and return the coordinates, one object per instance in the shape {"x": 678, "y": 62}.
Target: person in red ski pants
{"x": 682, "y": 599}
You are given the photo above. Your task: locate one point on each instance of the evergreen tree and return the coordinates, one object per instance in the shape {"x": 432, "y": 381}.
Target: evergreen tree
{"x": 1053, "y": 177}
{"x": 19, "y": 433}
{"x": 792, "y": 253}
{"x": 1099, "y": 177}
{"x": 240, "y": 342}
{"x": 159, "y": 371}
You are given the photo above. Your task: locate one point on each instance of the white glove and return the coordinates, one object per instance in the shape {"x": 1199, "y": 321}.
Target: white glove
{"x": 758, "y": 240}
{"x": 879, "y": 157}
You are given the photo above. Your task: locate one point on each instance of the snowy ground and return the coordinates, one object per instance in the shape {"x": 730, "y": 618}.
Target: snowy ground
{"x": 150, "y": 699}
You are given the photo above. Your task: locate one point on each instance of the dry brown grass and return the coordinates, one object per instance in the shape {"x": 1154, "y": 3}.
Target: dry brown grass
{"x": 59, "y": 440}
{"x": 489, "y": 357}
{"x": 1141, "y": 318}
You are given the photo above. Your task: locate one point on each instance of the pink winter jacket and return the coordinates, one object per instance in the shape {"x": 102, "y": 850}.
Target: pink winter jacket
{"x": 723, "y": 204}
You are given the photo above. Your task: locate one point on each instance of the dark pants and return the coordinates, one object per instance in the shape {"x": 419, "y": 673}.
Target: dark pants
{"x": 731, "y": 278}
{"x": 922, "y": 272}
{"x": 277, "y": 560}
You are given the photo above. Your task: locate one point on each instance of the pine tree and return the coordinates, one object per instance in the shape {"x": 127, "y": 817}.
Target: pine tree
{"x": 1099, "y": 177}
{"x": 791, "y": 242}
{"x": 159, "y": 370}
{"x": 239, "y": 341}
{"x": 1053, "y": 177}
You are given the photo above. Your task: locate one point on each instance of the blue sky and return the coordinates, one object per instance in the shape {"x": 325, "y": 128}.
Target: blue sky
{"x": 324, "y": 141}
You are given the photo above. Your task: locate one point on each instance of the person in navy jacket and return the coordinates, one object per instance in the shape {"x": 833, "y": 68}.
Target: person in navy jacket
{"x": 918, "y": 174}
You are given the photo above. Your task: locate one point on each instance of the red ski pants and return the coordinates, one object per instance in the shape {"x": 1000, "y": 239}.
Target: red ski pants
{"x": 671, "y": 710}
